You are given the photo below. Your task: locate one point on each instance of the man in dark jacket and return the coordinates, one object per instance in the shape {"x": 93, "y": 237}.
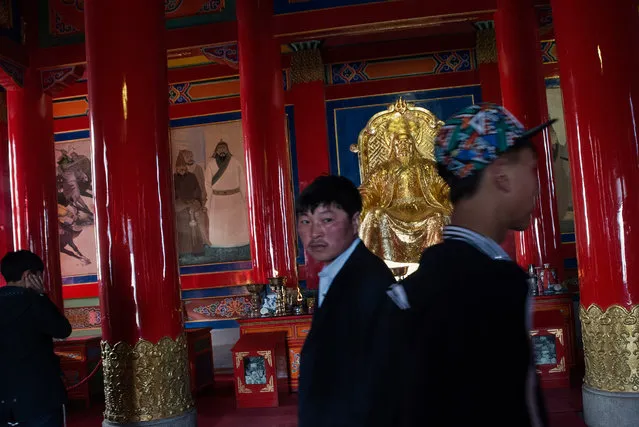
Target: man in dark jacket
{"x": 31, "y": 388}
{"x": 470, "y": 360}
{"x": 340, "y": 365}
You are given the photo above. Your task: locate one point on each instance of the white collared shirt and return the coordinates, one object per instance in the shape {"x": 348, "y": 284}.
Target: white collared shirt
{"x": 331, "y": 270}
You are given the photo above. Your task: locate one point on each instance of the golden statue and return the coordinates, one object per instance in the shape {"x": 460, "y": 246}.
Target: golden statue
{"x": 406, "y": 202}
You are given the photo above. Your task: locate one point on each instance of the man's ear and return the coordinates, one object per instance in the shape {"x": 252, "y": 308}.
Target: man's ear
{"x": 499, "y": 174}
{"x": 355, "y": 221}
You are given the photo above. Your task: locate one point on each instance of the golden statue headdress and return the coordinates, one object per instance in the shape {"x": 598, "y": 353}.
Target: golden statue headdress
{"x": 375, "y": 142}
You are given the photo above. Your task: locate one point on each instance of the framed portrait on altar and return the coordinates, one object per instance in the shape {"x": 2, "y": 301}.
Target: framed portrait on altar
{"x": 76, "y": 214}
{"x": 209, "y": 177}
{"x": 549, "y": 355}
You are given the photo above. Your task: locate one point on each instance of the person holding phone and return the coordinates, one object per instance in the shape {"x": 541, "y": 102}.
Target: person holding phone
{"x": 31, "y": 389}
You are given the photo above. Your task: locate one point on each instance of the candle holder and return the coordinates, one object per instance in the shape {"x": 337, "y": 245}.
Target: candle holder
{"x": 278, "y": 286}
{"x": 256, "y": 298}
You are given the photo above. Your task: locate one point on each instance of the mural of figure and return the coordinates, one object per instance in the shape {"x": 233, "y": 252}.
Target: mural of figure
{"x": 189, "y": 210}
{"x": 75, "y": 208}
{"x": 225, "y": 185}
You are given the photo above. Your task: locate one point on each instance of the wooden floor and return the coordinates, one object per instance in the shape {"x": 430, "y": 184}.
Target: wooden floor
{"x": 216, "y": 408}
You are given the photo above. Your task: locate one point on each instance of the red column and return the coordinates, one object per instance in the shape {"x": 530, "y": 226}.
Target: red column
{"x": 268, "y": 166}
{"x": 33, "y": 186}
{"x": 491, "y": 90}
{"x": 138, "y": 267}
{"x": 311, "y": 129}
{"x": 6, "y": 228}
{"x": 600, "y": 96}
{"x": 524, "y": 94}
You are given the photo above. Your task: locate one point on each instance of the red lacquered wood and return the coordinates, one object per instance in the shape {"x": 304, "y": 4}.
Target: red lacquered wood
{"x": 6, "y": 226}
{"x": 213, "y": 280}
{"x": 33, "y": 187}
{"x": 296, "y": 328}
{"x": 600, "y": 95}
{"x": 204, "y": 108}
{"x": 85, "y": 290}
{"x": 271, "y": 346}
{"x": 268, "y": 166}
{"x": 311, "y": 132}
{"x": 138, "y": 267}
{"x": 524, "y": 94}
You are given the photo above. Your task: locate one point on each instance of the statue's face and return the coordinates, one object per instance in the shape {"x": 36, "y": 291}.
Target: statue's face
{"x": 181, "y": 170}
{"x": 327, "y": 231}
{"x": 404, "y": 147}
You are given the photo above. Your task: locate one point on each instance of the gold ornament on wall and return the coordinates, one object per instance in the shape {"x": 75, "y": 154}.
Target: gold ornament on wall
{"x": 486, "y": 46}
{"x": 147, "y": 381}
{"x": 306, "y": 66}
{"x": 405, "y": 201}
{"x": 611, "y": 347}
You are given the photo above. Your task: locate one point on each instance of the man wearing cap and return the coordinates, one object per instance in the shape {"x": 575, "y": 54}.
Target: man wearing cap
{"x": 471, "y": 359}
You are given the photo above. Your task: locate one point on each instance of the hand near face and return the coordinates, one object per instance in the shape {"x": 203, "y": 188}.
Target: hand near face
{"x": 34, "y": 281}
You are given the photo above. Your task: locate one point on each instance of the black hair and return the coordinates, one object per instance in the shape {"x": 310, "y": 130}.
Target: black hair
{"x": 14, "y": 264}
{"x": 464, "y": 188}
{"x": 330, "y": 190}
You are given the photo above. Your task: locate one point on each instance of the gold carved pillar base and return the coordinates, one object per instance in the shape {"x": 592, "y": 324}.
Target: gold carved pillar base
{"x": 146, "y": 382}
{"x": 611, "y": 349}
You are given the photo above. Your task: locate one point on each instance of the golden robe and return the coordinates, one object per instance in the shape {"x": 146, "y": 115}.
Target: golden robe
{"x": 405, "y": 208}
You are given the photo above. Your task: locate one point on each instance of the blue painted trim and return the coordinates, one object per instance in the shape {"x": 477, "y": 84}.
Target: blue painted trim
{"x": 217, "y": 268}
{"x": 552, "y": 82}
{"x": 203, "y": 120}
{"x": 214, "y": 292}
{"x": 286, "y": 6}
{"x": 420, "y": 97}
{"x": 213, "y": 324}
{"x": 71, "y": 136}
{"x": 78, "y": 280}
{"x": 568, "y": 238}
{"x": 570, "y": 263}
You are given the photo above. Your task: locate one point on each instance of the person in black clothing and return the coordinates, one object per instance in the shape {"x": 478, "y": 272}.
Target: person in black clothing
{"x": 470, "y": 357}
{"x": 31, "y": 389}
{"x": 339, "y": 370}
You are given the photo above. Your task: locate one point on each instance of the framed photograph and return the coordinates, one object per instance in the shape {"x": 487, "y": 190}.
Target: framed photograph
{"x": 549, "y": 354}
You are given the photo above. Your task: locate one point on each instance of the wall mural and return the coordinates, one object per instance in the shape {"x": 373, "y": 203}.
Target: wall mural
{"x": 560, "y": 159}
{"x": 210, "y": 193}
{"x": 75, "y": 208}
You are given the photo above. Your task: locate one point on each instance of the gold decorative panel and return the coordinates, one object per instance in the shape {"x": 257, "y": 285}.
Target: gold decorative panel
{"x": 147, "y": 381}
{"x": 611, "y": 347}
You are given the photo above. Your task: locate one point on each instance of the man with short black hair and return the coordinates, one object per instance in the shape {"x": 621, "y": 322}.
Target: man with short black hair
{"x": 471, "y": 360}
{"x": 31, "y": 389}
{"x": 340, "y": 362}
